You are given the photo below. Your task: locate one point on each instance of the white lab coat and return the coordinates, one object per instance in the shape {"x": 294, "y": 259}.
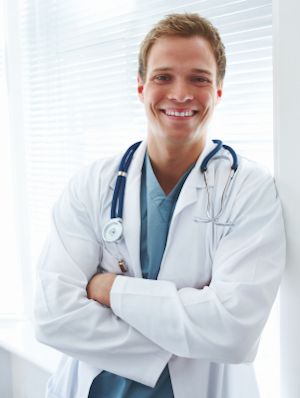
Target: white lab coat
{"x": 205, "y": 313}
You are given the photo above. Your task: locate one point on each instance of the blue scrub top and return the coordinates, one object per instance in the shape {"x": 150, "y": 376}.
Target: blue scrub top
{"x": 156, "y": 213}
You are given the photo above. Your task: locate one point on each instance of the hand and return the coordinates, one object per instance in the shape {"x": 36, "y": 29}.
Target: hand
{"x": 99, "y": 287}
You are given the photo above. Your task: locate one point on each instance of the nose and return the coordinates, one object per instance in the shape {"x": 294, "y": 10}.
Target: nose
{"x": 180, "y": 92}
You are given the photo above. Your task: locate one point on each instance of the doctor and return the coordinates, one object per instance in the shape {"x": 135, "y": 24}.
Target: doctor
{"x": 176, "y": 306}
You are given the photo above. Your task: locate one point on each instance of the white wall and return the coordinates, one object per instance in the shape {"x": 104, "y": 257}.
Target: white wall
{"x": 5, "y": 374}
{"x": 20, "y": 378}
{"x": 287, "y": 171}
{"x": 29, "y": 381}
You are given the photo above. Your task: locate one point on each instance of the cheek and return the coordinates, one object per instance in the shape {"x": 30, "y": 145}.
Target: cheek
{"x": 154, "y": 93}
{"x": 152, "y": 99}
{"x": 207, "y": 99}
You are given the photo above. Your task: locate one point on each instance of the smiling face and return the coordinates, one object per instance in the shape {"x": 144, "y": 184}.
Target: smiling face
{"x": 180, "y": 91}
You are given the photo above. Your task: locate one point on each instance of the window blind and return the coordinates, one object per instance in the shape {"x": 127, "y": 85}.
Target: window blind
{"x": 79, "y": 85}
{"x": 10, "y": 280}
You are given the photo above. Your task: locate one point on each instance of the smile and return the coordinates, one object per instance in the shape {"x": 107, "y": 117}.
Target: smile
{"x": 179, "y": 113}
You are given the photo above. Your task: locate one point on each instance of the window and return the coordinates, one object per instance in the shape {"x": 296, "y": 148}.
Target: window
{"x": 77, "y": 71}
{"x": 10, "y": 284}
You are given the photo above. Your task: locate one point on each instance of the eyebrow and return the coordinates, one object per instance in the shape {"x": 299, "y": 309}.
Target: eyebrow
{"x": 194, "y": 70}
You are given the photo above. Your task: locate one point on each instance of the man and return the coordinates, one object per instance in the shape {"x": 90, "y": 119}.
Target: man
{"x": 180, "y": 301}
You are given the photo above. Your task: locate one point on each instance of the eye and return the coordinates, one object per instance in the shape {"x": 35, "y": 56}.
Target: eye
{"x": 162, "y": 78}
{"x": 200, "y": 79}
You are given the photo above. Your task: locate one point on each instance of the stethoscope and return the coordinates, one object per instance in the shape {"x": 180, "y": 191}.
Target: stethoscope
{"x": 211, "y": 218}
{"x": 113, "y": 229}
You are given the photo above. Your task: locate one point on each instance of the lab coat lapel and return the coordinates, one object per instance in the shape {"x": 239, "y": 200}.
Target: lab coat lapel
{"x": 194, "y": 183}
{"x": 131, "y": 212}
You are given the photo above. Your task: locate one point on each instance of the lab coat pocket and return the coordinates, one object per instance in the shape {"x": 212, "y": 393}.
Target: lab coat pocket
{"x": 109, "y": 262}
{"x": 111, "y": 258}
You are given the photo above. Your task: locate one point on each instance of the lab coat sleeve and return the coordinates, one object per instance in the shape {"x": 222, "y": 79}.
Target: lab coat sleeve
{"x": 66, "y": 319}
{"x": 221, "y": 322}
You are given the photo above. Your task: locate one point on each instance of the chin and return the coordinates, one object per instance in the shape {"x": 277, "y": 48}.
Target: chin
{"x": 182, "y": 139}
{"x": 183, "y": 134}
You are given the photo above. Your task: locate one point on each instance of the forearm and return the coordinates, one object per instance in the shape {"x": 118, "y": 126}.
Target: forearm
{"x": 99, "y": 288}
{"x": 90, "y": 332}
{"x": 167, "y": 317}
{"x": 221, "y": 322}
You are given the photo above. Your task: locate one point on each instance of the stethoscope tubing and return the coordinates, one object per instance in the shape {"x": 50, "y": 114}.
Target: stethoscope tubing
{"x": 211, "y": 154}
{"x": 119, "y": 192}
{"x": 114, "y": 225}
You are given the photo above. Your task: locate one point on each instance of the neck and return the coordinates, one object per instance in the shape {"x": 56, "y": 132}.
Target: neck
{"x": 169, "y": 163}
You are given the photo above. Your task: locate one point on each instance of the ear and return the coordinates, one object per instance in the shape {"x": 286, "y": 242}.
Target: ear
{"x": 219, "y": 93}
{"x": 140, "y": 88}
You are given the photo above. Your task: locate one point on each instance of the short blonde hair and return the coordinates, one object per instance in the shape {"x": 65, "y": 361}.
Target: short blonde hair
{"x": 184, "y": 25}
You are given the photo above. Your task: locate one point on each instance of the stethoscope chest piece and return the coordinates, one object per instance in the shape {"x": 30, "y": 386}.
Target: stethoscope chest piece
{"x": 113, "y": 230}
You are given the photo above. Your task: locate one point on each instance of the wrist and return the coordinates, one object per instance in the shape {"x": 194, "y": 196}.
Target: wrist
{"x": 99, "y": 288}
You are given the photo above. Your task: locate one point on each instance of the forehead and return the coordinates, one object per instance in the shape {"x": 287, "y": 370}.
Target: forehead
{"x": 180, "y": 52}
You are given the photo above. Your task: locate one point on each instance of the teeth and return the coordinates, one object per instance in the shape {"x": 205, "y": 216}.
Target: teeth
{"x": 174, "y": 113}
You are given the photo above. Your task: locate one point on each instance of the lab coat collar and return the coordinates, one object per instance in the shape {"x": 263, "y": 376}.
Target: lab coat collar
{"x": 195, "y": 182}
{"x": 195, "y": 178}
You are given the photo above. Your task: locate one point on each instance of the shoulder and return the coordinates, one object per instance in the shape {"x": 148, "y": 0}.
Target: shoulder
{"x": 251, "y": 169}
{"x": 254, "y": 183}
{"x": 85, "y": 193}
{"x": 87, "y": 187}
{"x": 95, "y": 175}
{"x": 251, "y": 172}
{"x": 97, "y": 171}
